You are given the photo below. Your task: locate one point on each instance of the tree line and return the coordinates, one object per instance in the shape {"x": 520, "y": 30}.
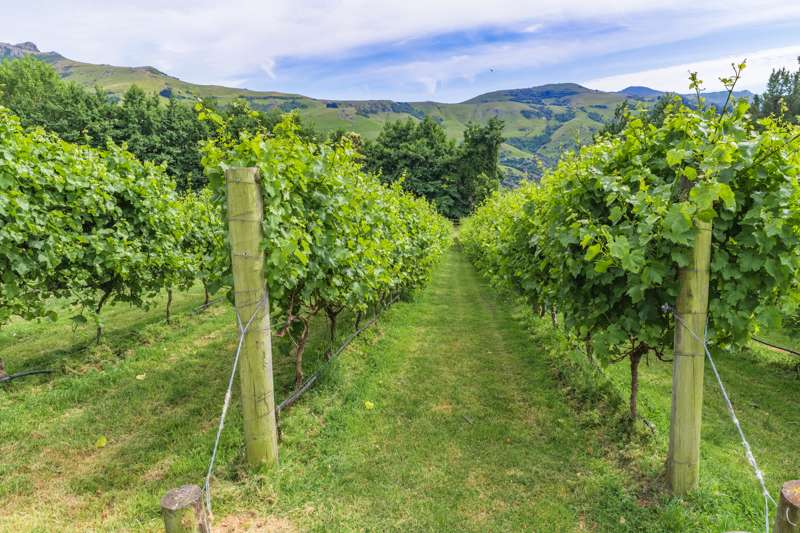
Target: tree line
{"x": 417, "y": 154}
{"x": 455, "y": 177}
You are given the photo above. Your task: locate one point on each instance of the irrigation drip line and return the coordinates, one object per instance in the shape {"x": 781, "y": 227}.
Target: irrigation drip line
{"x": 209, "y": 304}
{"x": 311, "y": 381}
{"x": 6, "y": 379}
{"x": 745, "y": 444}
{"x": 781, "y": 348}
{"x": 243, "y": 328}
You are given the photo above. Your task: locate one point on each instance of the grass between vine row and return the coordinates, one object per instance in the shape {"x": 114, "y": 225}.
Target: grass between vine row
{"x": 483, "y": 418}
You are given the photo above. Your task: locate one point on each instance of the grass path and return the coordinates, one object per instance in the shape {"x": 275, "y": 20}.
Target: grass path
{"x": 468, "y": 431}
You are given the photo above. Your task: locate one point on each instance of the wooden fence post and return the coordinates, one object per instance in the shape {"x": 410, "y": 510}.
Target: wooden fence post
{"x": 683, "y": 459}
{"x": 788, "y": 518}
{"x": 183, "y": 511}
{"x": 245, "y": 213}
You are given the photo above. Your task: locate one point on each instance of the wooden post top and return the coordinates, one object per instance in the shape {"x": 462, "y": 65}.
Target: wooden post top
{"x": 791, "y": 492}
{"x": 181, "y": 498}
{"x": 242, "y": 175}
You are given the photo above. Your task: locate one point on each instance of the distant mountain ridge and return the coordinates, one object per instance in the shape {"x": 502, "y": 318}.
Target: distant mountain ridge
{"x": 641, "y": 92}
{"x": 540, "y": 122}
{"x": 715, "y": 98}
{"x": 18, "y": 50}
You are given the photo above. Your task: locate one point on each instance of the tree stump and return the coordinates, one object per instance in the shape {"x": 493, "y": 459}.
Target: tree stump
{"x": 787, "y": 519}
{"x": 183, "y": 511}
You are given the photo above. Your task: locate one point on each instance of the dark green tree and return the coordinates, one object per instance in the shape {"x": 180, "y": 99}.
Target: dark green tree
{"x": 138, "y": 123}
{"x": 478, "y": 172}
{"x": 782, "y": 96}
{"x": 419, "y": 153}
{"x": 453, "y": 177}
{"x": 182, "y": 134}
{"x": 33, "y": 91}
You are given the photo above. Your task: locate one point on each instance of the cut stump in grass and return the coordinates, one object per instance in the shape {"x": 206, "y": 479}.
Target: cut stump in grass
{"x": 788, "y": 517}
{"x": 183, "y": 511}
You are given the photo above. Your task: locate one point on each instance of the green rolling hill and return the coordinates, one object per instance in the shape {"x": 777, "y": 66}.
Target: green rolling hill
{"x": 540, "y": 122}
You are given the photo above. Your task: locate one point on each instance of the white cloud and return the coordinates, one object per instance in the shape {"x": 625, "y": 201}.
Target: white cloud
{"x": 433, "y": 73}
{"x": 532, "y": 28}
{"x": 268, "y": 67}
{"x": 430, "y": 84}
{"x": 204, "y": 40}
{"x": 675, "y": 78}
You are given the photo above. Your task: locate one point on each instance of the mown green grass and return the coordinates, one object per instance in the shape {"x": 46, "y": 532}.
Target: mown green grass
{"x": 762, "y": 386}
{"x": 153, "y": 390}
{"x": 483, "y": 420}
{"x": 764, "y": 389}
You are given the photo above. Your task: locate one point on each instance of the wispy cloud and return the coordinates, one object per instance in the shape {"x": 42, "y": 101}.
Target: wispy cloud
{"x": 268, "y": 67}
{"x": 676, "y": 77}
{"x": 532, "y": 28}
{"x": 384, "y": 49}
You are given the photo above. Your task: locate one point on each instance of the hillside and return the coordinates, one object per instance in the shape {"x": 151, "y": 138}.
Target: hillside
{"x": 540, "y": 122}
{"x": 716, "y": 99}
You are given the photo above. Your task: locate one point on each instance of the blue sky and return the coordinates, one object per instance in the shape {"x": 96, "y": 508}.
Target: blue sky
{"x": 443, "y": 50}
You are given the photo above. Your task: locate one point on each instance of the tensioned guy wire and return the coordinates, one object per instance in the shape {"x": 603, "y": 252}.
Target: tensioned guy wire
{"x": 745, "y": 444}
{"x": 243, "y": 328}
{"x": 226, "y": 404}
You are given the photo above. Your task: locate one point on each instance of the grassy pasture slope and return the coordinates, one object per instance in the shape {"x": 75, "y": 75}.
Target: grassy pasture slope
{"x": 565, "y": 114}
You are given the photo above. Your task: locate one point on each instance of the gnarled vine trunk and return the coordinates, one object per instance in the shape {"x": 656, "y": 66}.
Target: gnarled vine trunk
{"x": 169, "y": 305}
{"x": 298, "y": 356}
{"x": 635, "y": 358}
{"x": 97, "y": 310}
{"x": 332, "y": 316}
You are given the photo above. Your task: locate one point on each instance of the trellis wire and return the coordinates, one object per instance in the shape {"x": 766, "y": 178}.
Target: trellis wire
{"x": 243, "y": 328}
{"x": 9, "y": 377}
{"x": 781, "y": 348}
{"x": 315, "y": 376}
{"x": 745, "y": 444}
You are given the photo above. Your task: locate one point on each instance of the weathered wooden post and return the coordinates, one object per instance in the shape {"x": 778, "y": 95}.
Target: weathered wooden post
{"x": 683, "y": 459}
{"x": 788, "y": 518}
{"x": 183, "y": 511}
{"x": 245, "y": 213}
